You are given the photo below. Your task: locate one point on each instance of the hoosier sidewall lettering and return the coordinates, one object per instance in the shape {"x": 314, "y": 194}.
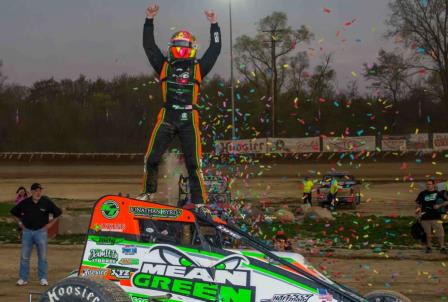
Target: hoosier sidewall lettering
{"x": 60, "y": 293}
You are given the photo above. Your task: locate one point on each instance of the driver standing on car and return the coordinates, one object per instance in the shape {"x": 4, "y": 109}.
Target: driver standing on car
{"x": 181, "y": 75}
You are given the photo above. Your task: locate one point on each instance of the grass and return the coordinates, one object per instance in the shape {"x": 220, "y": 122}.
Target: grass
{"x": 349, "y": 231}
{"x": 5, "y": 207}
{"x": 9, "y": 234}
{"x": 346, "y": 231}
{"x": 69, "y": 239}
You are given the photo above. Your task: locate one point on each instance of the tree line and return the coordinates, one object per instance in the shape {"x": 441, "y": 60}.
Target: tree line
{"x": 408, "y": 92}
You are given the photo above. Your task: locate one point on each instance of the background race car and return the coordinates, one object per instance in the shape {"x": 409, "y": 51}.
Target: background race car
{"x": 348, "y": 192}
{"x": 217, "y": 188}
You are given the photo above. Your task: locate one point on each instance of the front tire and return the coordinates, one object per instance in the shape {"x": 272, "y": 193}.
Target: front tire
{"x": 81, "y": 289}
{"x": 386, "y": 296}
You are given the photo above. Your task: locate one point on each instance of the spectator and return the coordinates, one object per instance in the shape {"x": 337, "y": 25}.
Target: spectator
{"x": 281, "y": 242}
{"x": 332, "y": 198}
{"x": 21, "y": 194}
{"x": 32, "y": 214}
{"x": 445, "y": 188}
{"x": 431, "y": 217}
{"x": 307, "y": 190}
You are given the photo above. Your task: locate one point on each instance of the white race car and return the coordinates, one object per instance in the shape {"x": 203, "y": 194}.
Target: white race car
{"x": 143, "y": 252}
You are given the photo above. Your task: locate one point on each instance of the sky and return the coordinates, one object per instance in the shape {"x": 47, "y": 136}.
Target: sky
{"x": 40, "y": 39}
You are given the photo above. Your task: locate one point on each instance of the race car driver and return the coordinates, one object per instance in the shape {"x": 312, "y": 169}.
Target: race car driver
{"x": 181, "y": 75}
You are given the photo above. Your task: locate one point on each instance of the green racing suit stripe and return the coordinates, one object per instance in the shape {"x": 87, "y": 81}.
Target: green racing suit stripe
{"x": 198, "y": 154}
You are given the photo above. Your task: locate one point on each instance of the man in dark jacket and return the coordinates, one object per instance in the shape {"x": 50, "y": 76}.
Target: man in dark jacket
{"x": 32, "y": 214}
{"x": 431, "y": 218}
{"x": 180, "y": 75}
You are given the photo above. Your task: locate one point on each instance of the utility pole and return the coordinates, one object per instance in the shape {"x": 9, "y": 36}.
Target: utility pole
{"x": 273, "y": 84}
{"x": 274, "y": 77}
{"x": 232, "y": 84}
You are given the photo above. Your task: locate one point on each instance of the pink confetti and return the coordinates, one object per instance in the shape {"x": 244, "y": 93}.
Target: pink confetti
{"x": 349, "y": 23}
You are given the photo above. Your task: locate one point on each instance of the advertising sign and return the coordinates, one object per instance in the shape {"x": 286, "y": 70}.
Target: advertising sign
{"x": 293, "y": 145}
{"x": 349, "y": 144}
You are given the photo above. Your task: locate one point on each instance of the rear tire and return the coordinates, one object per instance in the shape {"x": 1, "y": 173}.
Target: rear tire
{"x": 386, "y": 296}
{"x": 81, "y": 289}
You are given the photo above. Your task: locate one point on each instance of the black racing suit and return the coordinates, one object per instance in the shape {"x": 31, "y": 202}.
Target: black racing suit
{"x": 180, "y": 80}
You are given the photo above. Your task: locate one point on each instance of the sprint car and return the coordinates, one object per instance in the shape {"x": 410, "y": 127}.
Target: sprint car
{"x": 349, "y": 192}
{"x": 145, "y": 252}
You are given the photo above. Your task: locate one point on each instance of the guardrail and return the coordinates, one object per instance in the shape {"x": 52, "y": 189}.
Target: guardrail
{"x": 30, "y": 156}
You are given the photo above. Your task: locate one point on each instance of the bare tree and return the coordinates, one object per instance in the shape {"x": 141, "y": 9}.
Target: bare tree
{"x": 320, "y": 83}
{"x": 258, "y": 58}
{"x": 2, "y": 77}
{"x": 391, "y": 74}
{"x": 297, "y": 69}
{"x": 352, "y": 90}
{"x": 423, "y": 25}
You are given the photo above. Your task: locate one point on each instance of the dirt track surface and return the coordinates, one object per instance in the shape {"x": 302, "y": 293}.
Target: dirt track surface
{"x": 422, "y": 281}
{"x": 388, "y": 188}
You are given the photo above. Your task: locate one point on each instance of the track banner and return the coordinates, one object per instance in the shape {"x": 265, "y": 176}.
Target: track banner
{"x": 416, "y": 142}
{"x": 242, "y": 146}
{"x": 440, "y": 141}
{"x": 393, "y": 143}
{"x": 348, "y": 144}
{"x": 293, "y": 145}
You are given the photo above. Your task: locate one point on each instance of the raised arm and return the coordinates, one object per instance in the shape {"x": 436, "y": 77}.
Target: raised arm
{"x": 152, "y": 51}
{"x": 211, "y": 55}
